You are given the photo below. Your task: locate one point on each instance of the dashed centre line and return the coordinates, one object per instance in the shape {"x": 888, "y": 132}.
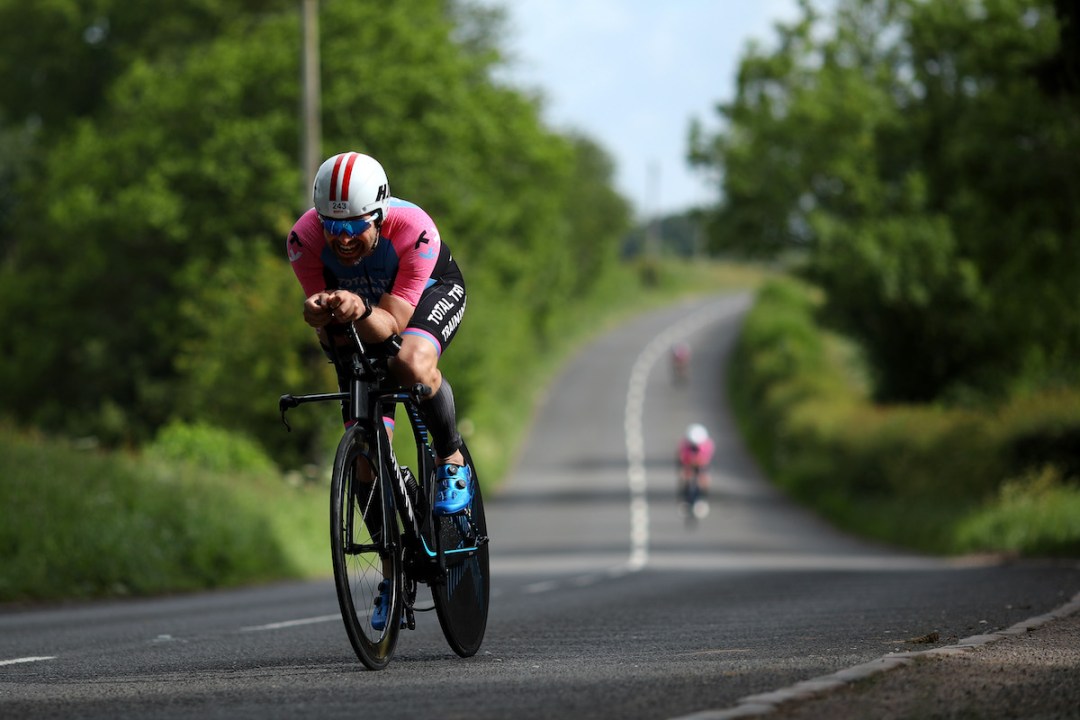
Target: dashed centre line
{"x": 16, "y": 661}
{"x": 292, "y": 623}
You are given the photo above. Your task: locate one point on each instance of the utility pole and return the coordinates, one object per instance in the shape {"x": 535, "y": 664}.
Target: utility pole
{"x": 310, "y": 125}
{"x": 652, "y": 218}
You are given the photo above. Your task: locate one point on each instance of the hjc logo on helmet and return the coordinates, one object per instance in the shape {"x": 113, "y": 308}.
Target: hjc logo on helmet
{"x": 384, "y": 190}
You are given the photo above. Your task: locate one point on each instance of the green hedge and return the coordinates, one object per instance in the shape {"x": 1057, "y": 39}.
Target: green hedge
{"x": 931, "y": 478}
{"x": 79, "y": 523}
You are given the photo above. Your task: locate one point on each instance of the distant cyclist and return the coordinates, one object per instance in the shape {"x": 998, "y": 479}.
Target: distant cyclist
{"x": 695, "y": 454}
{"x": 680, "y": 362}
{"x": 365, "y": 257}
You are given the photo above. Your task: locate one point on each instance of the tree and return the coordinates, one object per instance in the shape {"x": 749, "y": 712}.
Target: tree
{"x": 908, "y": 152}
{"x": 135, "y": 287}
{"x": 189, "y": 158}
{"x": 61, "y": 56}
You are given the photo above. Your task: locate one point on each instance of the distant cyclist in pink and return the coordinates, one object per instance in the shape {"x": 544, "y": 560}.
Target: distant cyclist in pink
{"x": 695, "y": 454}
{"x": 365, "y": 257}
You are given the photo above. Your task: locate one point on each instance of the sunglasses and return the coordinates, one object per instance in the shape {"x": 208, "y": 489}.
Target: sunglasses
{"x": 351, "y": 227}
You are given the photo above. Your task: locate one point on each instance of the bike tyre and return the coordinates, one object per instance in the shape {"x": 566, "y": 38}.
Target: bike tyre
{"x": 358, "y": 559}
{"x": 462, "y": 599}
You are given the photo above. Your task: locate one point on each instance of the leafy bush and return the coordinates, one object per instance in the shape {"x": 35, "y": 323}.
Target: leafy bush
{"x": 1036, "y": 514}
{"x": 210, "y": 448}
{"x": 1043, "y": 427}
{"x": 80, "y": 523}
{"x": 906, "y": 474}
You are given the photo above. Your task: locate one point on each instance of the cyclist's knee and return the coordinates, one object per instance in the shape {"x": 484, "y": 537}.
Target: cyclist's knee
{"x": 417, "y": 362}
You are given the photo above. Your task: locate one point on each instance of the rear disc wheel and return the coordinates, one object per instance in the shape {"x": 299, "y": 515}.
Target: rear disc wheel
{"x": 462, "y": 597}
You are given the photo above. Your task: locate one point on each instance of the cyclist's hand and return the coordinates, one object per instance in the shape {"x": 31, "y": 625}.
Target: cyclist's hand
{"x": 341, "y": 306}
{"x": 347, "y": 306}
{"x": 317, "y": 310}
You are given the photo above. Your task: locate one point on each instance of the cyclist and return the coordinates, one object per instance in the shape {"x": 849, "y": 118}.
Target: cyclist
{"x": 366, "y": 257}
{"x": 695, "y": 454}
{"x": 680, "y": 362}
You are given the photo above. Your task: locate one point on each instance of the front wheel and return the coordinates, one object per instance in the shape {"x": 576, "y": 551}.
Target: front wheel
{"x": 365, "y": 551}
{"x": 692, "y": 503}
{"x": 462, "y": 596}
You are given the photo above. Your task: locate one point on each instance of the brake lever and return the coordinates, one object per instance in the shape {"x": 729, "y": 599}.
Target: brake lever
{"x": 420, "y": 392}
{"x": 284, "y": 403}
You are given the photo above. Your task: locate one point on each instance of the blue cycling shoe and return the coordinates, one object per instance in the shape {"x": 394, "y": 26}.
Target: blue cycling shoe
{"x": 382, "y": 606}
{"x": 455, "y": 490}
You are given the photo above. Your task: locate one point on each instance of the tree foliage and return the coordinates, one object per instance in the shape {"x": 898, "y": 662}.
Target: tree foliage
{"x": 921, "y": 155}
{"x": 61, "y": 56}
{"x": 143, "y": 275}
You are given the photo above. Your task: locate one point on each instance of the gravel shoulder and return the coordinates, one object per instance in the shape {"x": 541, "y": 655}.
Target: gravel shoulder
{"x": 1029, "y": 671}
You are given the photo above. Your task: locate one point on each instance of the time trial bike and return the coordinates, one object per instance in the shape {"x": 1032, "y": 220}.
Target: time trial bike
{"x": 385, "y": 540}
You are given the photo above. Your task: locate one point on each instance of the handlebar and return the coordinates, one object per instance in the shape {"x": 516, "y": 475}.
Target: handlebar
{"x": 365, "y": 362}
{"x": 288, "y": 402}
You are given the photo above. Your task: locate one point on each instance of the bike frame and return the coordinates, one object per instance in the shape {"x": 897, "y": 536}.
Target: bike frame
{"x": 410, "y": 544}
{"x": 370, "y": 398}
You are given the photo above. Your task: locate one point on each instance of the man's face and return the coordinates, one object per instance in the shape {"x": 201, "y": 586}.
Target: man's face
{"x": 349, "y": 245}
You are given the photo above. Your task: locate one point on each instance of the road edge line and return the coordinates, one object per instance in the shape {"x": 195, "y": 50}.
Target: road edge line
{"x": 766, "y": 703}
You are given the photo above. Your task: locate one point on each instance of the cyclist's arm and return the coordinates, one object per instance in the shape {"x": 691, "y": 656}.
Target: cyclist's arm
{"x": 708, "y": 448}
{"x": 390, "y": 317}
{"x": 304, "y": 247}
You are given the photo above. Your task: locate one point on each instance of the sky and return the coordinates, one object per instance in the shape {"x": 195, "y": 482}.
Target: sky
{"x": 630, "y": 74}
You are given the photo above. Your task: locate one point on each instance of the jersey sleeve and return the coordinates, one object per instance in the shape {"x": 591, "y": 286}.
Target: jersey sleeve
{"x": 302, "y": 247}
{"x": 708, "y": 449}
{"x": 418, "y": 245}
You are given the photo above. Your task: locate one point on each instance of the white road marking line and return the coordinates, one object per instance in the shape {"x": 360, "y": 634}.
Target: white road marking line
{"x": 544, "y": 586}
{"x": 579, "y": 581}
{"x": 292, "y": 623}
{"x": 16, "y": 661}
{"x": 766, "y": 703}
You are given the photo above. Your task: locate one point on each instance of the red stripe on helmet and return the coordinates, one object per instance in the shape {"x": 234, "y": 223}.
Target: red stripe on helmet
{"x": 348, "y": 176}
{"x": 334, "y": 176}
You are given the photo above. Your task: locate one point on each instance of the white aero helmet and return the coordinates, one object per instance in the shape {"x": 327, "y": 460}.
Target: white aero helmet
{"x": 349, "y": 185}
{"x": 697, "y": 433}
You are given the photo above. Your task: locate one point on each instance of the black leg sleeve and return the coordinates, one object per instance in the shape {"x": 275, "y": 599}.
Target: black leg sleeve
{"x": 441, "y": 418}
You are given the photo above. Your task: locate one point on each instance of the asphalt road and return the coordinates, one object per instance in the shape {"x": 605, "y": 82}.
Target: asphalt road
{"x": 605, "y": 604}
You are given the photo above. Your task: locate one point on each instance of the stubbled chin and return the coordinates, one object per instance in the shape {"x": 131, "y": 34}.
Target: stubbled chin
{"x": 349, "y": 259}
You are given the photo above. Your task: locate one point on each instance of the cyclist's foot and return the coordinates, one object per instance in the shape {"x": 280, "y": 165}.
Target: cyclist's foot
{"x": 455, "y": 489}
{"x": 381, "y": 606}
{"x": 701, "y": 509}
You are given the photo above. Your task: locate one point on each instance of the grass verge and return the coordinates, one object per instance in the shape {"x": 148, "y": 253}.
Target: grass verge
{"x": 80, "y": 524}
